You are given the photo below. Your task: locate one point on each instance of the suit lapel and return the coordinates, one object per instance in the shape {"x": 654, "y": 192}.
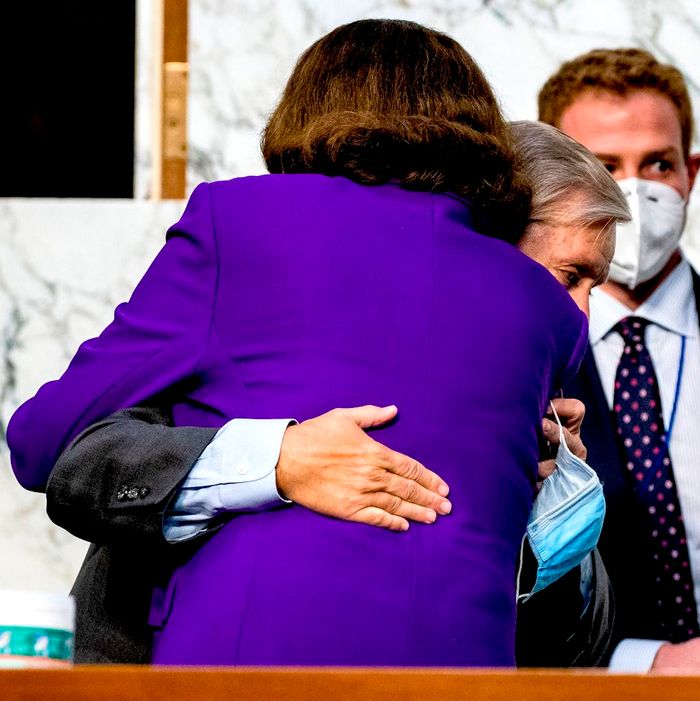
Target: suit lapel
{"x": 598, "y": 432}
{"x": 696, "y": 286}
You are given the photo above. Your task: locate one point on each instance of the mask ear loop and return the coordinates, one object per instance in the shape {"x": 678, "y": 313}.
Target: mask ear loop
{"x": 562, "y": 441}
{"x": 518, "y": 595}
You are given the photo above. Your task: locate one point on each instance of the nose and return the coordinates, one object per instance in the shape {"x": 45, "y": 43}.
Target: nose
{"x": 624, "y": 174}
{"x": 627, "y": 170}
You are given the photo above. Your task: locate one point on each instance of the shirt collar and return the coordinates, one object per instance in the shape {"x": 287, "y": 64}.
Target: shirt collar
{"x": 671, "y": 305}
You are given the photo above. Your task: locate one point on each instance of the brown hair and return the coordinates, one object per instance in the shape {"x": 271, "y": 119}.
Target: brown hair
{"x": 390, "y": 100}
{"x": 618, "y": 71}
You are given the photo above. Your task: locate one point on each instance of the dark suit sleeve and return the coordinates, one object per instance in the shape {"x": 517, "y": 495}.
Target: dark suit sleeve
{"x": 114, "y": 481}
{"x": 554, "y": 630}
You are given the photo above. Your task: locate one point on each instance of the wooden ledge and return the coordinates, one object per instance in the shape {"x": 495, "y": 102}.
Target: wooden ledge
{"x": 122, "y": 683}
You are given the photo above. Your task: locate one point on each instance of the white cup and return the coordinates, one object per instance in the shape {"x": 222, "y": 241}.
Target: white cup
{"x": 36, "y": 629}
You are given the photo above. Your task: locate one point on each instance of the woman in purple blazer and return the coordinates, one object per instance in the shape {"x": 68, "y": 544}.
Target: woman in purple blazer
{"x": 373, "y": 265}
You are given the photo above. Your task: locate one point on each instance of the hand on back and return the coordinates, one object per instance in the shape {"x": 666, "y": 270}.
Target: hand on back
{"x": 330, "y": 465}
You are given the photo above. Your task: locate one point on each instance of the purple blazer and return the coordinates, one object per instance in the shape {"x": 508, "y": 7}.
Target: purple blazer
{"x": 288, "y": 295}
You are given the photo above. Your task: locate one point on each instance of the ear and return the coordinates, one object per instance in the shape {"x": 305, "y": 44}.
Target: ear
{"x": 693, "y": 165}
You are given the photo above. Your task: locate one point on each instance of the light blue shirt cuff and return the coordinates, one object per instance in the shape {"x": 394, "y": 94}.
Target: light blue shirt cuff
{"x": 634, "y": 655}
{"x": 235, "y": 472}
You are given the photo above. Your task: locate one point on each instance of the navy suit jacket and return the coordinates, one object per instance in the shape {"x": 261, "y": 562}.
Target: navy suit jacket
{"x": 621, "y": 545}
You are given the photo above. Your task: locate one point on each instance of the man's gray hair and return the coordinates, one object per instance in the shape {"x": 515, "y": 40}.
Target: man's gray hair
{"x": 569, "y": 184}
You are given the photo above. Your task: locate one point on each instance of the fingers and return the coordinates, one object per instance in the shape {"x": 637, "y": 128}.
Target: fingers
{"x": 545, "y": 468}
{"x": 407, "y": 510}
{"x": 375, "y": 516}
{"x": 411, "y": 469}
{"x": 571, "y": 412}
{"x": 412, "y": 492}
{"x": 392, "y": 513}
{"x": 369, "y": 415}
{"x": 550, "y": 431}
{"x": 573, "y": 439}
{"x": 546, "y": 465}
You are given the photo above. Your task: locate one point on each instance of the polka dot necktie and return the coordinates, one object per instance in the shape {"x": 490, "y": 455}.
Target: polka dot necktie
{"x": 637, "y": 407}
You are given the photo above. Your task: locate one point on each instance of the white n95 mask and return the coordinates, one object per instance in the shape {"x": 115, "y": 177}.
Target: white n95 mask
{"x": 566, "y": 518}
{"x": 645, "y": 244}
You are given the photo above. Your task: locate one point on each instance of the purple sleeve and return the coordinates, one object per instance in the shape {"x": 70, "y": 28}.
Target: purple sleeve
{"x": 155, "y": 340}
{"x": 577, "y": 353}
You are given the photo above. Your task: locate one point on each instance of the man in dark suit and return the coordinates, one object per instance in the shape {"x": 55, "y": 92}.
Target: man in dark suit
{"x": 635, "y": 115}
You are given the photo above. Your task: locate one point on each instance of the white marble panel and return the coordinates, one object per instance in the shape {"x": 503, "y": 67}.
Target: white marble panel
{"x": 65, "y": 265}
{"x": 241, "y": 52}
{"x": 144, "y": 99}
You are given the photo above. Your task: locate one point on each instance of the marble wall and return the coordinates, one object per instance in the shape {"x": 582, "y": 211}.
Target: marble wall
{"x": 242, "y": 51}
{"x": 65, "y": 264}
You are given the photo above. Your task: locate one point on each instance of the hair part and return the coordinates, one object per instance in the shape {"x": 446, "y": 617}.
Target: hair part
{"x": 382, "y": 101}
{"x": 569, "y": 184}
{"x": 619, "y": 71}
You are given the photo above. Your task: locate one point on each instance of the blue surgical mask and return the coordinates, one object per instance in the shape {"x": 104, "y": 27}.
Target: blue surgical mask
{"x": 566, "y": 518}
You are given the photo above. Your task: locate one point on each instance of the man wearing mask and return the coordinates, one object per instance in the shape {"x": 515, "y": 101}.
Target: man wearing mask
{"x": 640, "y": 379}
